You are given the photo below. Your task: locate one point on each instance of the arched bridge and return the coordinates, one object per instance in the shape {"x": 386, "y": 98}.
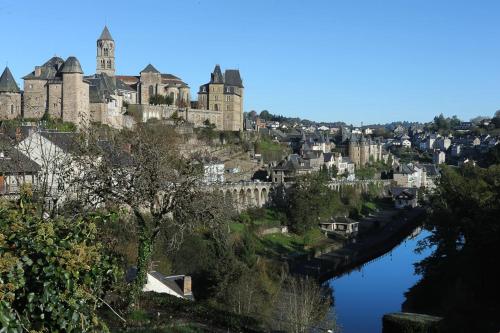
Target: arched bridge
{"x": 256, "y": 194}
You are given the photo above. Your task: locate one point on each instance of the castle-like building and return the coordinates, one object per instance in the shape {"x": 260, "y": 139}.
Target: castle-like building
{"x": 363, "y": 151}
{"x": 224, "y": 93}
{"x": 10, "y": 96}
{"x": 59, "y": 89}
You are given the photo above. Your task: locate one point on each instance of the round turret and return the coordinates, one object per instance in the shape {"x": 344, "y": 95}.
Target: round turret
{"x": 71, "y": 65}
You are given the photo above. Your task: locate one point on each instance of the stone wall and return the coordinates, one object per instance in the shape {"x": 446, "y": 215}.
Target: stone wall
{"x": 76, "y": 107}
{"x": 195, "y": 116}
{"x": 35, "y": 99}
{"x": 54, "y": 102}
{"x": 10, "y": 105}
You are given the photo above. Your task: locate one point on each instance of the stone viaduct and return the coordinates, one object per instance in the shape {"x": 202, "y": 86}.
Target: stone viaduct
{"x": 256, "y": 194}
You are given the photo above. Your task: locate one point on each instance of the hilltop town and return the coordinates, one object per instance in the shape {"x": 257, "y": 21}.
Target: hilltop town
{"x": 167, "y": 211}
{"x": 58, "y": 89}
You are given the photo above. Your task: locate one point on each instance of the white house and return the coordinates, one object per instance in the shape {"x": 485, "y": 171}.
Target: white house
{"x": 438, "y": 157}
{"x": 52, "y": 152}
{"x": 175, "y": 285}
{"x": 405, "y": 143}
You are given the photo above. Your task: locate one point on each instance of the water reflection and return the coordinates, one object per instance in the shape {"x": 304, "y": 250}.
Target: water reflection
{"x": 362, "y": 297}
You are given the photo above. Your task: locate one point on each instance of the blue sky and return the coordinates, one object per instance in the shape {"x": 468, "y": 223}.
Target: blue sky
{"x": 354, "y": 61}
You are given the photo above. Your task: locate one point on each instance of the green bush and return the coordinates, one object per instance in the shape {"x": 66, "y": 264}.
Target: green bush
{"x": 53, "y": 272}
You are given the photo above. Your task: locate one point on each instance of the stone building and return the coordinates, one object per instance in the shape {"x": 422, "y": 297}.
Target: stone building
{"x": 57, "y": 88}
{"x": 10, "y": 96}
{"x": 363, "y": 151}
{"x": 151, "y": 82}
{"x": 105, "y": 59}
{"x": 224, "y": 93}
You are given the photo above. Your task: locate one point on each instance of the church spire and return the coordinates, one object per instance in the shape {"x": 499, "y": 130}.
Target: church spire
{"x": 105, "y": 60}
{"x": 105, "y": 35}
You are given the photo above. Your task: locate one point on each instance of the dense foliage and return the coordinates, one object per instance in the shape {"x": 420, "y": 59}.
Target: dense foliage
{"x": 460, "y": 278}
{"x": 53, "y": 272}
{"x": 310, "y": 201}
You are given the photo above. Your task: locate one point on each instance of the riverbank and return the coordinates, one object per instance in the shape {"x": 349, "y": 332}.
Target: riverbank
{"x": 393, "y": 227}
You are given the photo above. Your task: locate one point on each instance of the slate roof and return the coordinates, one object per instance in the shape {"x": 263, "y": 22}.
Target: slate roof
{"x": 150, "y": 68}
{"x": 48, "y": 71}
{"x": 105, "y": 35}
{"x": 217, "y": 76}
{"x": 13, "y": 161}
{"x": 406, "y": 169}
{"x": 7, "y": 82}
{"x": 173, "y": 282}
{"x": 293, "y": 162}
{"x": 327, "y": 157}
{"x": 431, "y": 169}
{"x": 102, "y": 86}
{"x": 405, "y": 193}
{"x": 396, "y": 191}
{"x": 173, "y": 80}
{"x": 232, "y": 78}
{"x": 63, "y": 140}
{"x": 71, "y": 65}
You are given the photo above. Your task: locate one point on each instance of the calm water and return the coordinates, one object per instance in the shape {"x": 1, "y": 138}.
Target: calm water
{"x": 363, "y": 297}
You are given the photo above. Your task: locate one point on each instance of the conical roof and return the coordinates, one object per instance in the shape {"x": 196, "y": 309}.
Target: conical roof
{"x": 105, "y": 35}
{"x": 217, "y": 75}
{"x": 71, "y": 65}
{"x": 150, "y": 68}
{"x": 7, "y": 82}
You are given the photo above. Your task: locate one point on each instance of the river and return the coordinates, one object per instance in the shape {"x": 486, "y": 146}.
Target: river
{"x": 363, "y": 296}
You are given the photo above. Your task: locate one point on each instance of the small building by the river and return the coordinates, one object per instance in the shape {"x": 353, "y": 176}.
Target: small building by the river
{"x": 342, "y": 226}
{"x": 404, "y": 197}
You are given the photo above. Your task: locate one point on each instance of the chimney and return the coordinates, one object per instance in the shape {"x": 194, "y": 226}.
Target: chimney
{"x": 18, "y": 134}
{"x": 38, "y": 70}
{"x": 187, "y": 285}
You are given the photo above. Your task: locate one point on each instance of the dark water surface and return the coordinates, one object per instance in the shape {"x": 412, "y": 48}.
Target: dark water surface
{"x": 363, "y": 296}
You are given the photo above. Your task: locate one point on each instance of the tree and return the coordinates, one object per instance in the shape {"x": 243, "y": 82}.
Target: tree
{"x": 308, "y": 200}
{"x": 161, "y": 100}
{"x": 265, "y": 115}
{"x": 53, "y": 271}
{"x": 459, "y": 277}
{"x": 301, "y": 306}
{"x": 159, "y": 187}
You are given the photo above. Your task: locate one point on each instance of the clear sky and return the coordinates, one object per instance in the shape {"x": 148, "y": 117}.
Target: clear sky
{"x": 354, "y": 61}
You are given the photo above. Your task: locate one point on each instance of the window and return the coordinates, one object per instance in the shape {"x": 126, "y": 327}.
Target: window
{"x": 106, "y": 53}
{"x": 216, "y": 107}
{"x": 109, "y": 64}
{"x": 11, "y": 109}
{"x": 103, "y": 64}
{"x": 151, "y": 92}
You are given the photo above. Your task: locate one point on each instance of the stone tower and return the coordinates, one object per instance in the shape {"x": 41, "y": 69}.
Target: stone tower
{"x": 10, "y": 96}
{"x": 105, "y": 60}
{"x": 224, "y": 94}
{"x": 75, "y": 93}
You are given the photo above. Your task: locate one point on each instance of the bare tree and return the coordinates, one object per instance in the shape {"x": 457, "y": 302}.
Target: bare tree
{"x": 303, "y": 306}
{"x": 144, "y": 172}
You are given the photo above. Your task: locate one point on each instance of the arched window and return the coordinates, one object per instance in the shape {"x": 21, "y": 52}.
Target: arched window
{"x": 12, "y": 109}
{"x": 106, "y": 53}
{"x": 172, "y": 96}
{"x": 109, "y": 64}
{"x": 103, "y": 65}
{"x": 216, "y": 107}
{"x": 151, "y": 91}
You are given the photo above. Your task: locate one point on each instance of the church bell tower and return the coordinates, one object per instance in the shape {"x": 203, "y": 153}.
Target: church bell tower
{"x": 105, "y": 53}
